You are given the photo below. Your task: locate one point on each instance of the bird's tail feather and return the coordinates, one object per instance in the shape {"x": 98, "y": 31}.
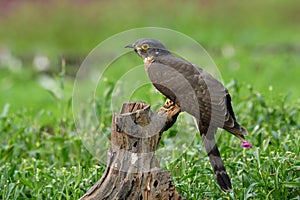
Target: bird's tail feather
{"x": 216, "y": 162}
{"x": 217, "y": 165}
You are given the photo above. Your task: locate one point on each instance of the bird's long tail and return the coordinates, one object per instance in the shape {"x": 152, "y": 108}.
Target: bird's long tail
{"x": 213, "y": 153}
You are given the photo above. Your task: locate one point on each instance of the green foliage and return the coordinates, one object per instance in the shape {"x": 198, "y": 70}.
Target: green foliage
{"x": 39, "y": 161}
{"x": 43, "y": 162}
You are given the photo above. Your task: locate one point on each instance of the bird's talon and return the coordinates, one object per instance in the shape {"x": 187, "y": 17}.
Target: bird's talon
{"x": 168, "y": 105}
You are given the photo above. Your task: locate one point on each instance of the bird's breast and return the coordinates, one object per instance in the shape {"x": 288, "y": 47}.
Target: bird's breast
{"x": 147, "y": 61}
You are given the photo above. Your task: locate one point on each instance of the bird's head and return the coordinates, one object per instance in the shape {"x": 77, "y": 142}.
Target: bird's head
{"x": 147, "y": 47}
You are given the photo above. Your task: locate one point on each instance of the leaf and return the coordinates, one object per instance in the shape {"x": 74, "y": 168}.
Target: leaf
{"x": 5, "y": 110}
{"x": 249, "y": 193}
{"x": 261, "y": 100}
{"x": 26, "y": 182}
{"x": 291, "y": 184}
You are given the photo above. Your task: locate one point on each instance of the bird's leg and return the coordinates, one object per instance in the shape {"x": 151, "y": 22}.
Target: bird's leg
{"x": 171, "y": 110}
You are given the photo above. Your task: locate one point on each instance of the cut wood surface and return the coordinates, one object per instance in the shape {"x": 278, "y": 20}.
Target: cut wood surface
{"x": 132, "y": 170}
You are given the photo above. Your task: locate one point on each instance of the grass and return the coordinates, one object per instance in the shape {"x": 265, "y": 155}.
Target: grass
{"x": 44, "y": 162}
{"x": 42, "y": 156}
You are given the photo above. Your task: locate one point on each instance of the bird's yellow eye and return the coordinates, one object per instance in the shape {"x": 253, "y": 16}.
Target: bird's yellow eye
{"x": 145, "y": 46}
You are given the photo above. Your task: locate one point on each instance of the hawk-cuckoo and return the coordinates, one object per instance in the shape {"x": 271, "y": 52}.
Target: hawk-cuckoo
{"x": 197, "y": 93}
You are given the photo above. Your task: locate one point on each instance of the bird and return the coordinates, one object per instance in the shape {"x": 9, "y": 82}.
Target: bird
{"x": 196, "y": 92}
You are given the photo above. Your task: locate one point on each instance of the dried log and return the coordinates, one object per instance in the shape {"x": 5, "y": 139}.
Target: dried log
{"x": 132, "y": 170}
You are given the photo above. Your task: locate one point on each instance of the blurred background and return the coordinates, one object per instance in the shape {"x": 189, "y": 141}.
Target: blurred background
{"x": 255, "y": 43}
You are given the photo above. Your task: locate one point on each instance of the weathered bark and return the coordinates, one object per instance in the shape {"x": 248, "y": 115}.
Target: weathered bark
{"x": 132, "y": 170}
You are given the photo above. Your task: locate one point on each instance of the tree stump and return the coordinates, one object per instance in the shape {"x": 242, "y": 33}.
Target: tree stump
{"x": 132, "y": 170}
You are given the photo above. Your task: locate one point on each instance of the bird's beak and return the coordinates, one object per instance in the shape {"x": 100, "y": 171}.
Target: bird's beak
{"x": 129, "y": 46}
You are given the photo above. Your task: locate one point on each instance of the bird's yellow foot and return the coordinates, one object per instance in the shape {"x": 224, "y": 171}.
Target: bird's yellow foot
{"x": 169, "y": 105}
{"x": 170, "y": 110}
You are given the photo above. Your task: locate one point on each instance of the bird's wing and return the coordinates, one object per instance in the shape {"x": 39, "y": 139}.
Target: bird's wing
{"x": 196, "y": 91}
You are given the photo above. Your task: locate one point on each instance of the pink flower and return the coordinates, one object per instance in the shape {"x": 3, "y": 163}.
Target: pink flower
{"x": 246, "y": 144}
